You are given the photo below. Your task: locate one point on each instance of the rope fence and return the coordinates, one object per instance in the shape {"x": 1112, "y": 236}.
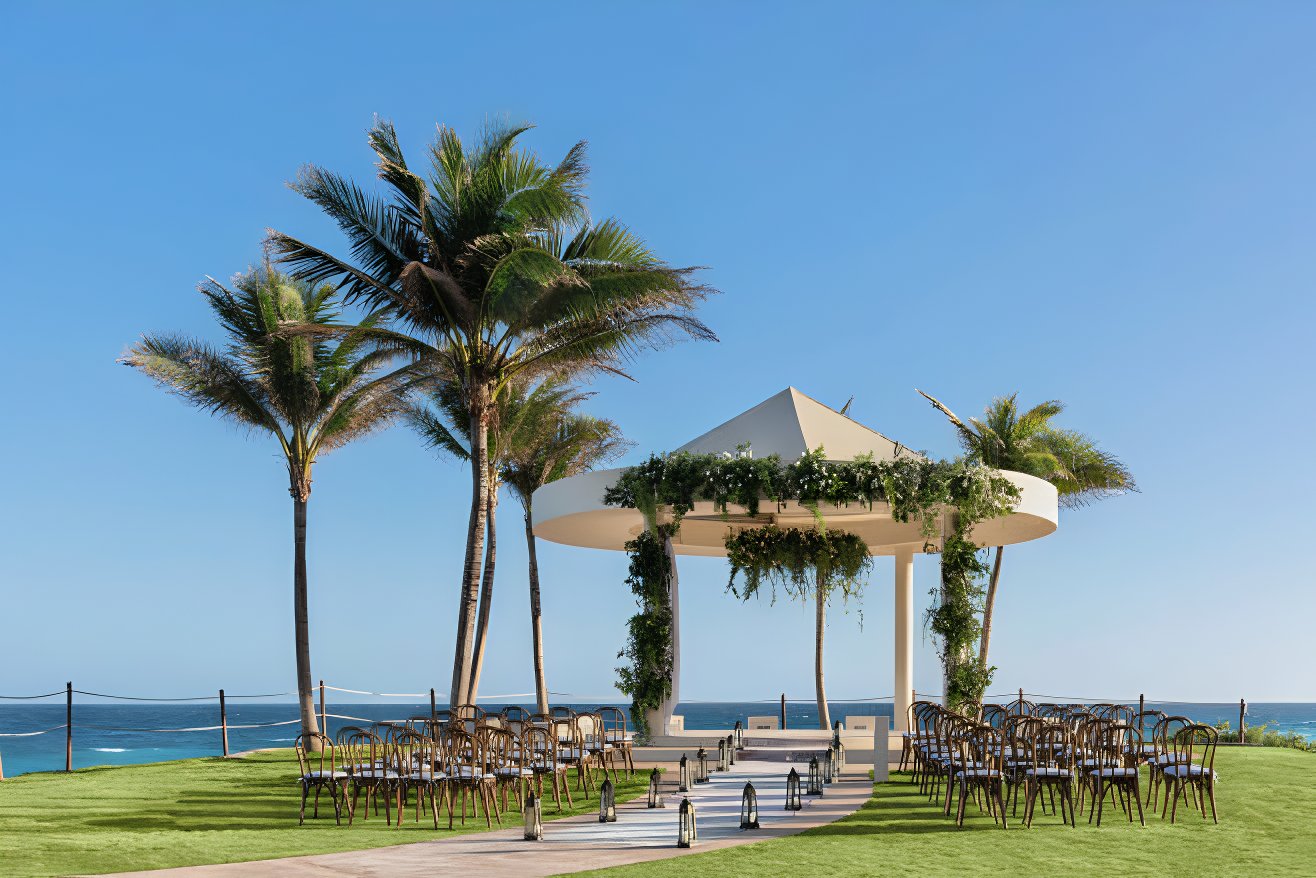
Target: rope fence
{"x": 433, "y": 696}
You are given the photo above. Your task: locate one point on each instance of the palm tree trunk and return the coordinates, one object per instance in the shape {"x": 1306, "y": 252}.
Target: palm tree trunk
{"x": 824, "y": 716}
{"x": 486, "y": 591}
{"x": 470, "y": 589}
{"x": 988, "y": 606}
{"x": 536, "y": 620}
{"x": 301, "y": 623}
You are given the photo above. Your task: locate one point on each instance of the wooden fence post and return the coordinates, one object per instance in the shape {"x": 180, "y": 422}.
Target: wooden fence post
{"x": 1242, "y": 720}
{"x": 783, "y": 711}
{"x": 434, "y": 711}
{"x": 1142, "y": 706}
{"x": 324, "y": 715}
{"x": 223, "y": 721}
{"x": 68, "y": 726}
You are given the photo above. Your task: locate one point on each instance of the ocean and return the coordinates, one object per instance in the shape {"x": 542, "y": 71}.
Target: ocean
{"x": 127, "y": 734}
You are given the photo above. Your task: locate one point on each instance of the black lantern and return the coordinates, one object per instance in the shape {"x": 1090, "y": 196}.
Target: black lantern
{"x": 534, "y": 819}
{"x": 739, "y": 732}
{"x": 701, "y": 766}
{"x": 655, "y": 778}
{"x": 829, "y": 765}
{"x": 749, "y": 808}
{"x": 686, "y": 833}
{"x": 793, "y": 802}
{"x": 731, "y": 749}
{"x": 815, "y": 778}
{"x": 607, "y": 802}
{"x": 723, "y": 756}
{"x": 840, "y": 755}
{"x": 683, "y": 785}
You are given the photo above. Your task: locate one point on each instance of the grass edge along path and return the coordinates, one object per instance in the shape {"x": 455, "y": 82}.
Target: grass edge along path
{"x": 198, "y": 811}
{"x": 1267, "y": 799}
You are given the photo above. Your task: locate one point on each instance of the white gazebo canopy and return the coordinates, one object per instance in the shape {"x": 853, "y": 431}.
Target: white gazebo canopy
{"x": 788, "y": 424}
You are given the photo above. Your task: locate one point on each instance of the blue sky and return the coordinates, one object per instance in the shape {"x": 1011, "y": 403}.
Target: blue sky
{"x": 1110, "y": 204}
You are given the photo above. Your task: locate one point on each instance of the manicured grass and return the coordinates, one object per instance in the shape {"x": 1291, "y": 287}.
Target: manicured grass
{"x": 1267, "y": 799}
{"x": 191, "y": 812}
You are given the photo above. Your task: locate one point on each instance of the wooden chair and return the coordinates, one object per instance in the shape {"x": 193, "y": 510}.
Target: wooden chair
{"x": 540, "y": 748}
{"x": 981, "y": 770}
{"x": 366, "y": 759}
{"x": 515, "y": 713}
{"x": 319, "y": 770}
{"x": 1193, "y": 768}
{"x": 466, "y": 770}
{"x": 571, "y": 751}
{"x": 617, "y": 736}
{"x": 1049, "y": 770}
{"x": 418, "y": 762}
{"x": 504, "y": 756}
{"x": 1115, "y": 774}
{"x": 1163, "y": 753}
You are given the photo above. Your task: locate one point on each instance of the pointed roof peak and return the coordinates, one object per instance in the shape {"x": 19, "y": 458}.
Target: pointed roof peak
{"x": 791, "y": 423}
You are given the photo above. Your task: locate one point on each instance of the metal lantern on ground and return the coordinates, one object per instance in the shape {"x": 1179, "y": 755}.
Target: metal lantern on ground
{"x": 686, "y": 832}
{"x": 731, "y": 749}
{"x": 683, "y": 783}
{"x": 840, "y": 752}
{"x": 723, "y": 757}
{"x": 749, "y": 808}
{"x": 815, "y": 787}
{"x": 739, "y": 733}
{"x": 829, "y": 765}
{"x": 793, "y": 802}
{"x": 607, "y": 802}
{"x": 655, "y": 778}
{"x": 534, "y": 819}
{"x": 701, "y": 766}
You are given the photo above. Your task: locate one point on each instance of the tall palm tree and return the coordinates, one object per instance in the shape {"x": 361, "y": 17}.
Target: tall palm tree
{"x": 522, "y": 415}
{"x": 553, "y": 444}
{"x": 1028, "y": 442}
{"x": 491, "y": 269}
{"x": 310, "y": 394}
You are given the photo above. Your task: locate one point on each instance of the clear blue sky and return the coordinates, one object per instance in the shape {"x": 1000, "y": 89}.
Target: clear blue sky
{"x": 1110, "y": 204}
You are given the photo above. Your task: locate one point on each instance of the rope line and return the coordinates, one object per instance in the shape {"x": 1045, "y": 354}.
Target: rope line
{"x": 193, "y": 729}
{"x": 387, "y": 694}
{"x": 29, "y": 697}
{"x": 31, "y": 734}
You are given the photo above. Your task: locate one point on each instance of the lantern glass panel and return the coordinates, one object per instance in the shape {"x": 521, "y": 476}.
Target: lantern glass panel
{"x": 793, "y": 802}
{"x": 655, "y": 777}
{"x": 749, "y": 808}
{"x": 815, "y": 778}
{"x": 607, "y": 803}
{"x": 829, "y": 765}
{"x": 722, "y": 758}
{"x": 534, "y": 819}
{"x": 686, "y": 831}
{"x": 701, "y": 766}
{"x": 684, "y": 784}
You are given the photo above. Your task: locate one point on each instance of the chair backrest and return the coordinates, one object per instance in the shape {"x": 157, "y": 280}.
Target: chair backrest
{"x": 561, "y": 712}
{"x": 1145, "y": 722}
{"x": 615, "y": 729}
{"x": 413, "y": 751}
{"x": 1195, "y": 744}
{"x": 1112, "y": 742}
{"x": 514, "y": 713}
{"x": 315, "y": 753}
{"x": 360, "y": 749}
{"x": 1020, "y": 707}
{"x": 539, "y": 748}
{"x": 985, "y": 745}
{"x": 993, "y": 715}
{"x": 467, "y": 711}
{"x": 1049, "y": 746}
{"x": 502, "y": 750}
{"x": 590, "y": 726}
{"x": 1049, "y": 710}
{"x": 463, "y": 754}
{"x": 1165, "y": 730}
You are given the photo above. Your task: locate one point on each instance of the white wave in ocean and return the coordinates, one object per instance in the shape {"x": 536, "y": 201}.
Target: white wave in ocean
{"x": 110, "y": 749}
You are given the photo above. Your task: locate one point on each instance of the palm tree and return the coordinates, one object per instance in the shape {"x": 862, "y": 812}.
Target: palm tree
{"x": 279, "y": 375}
{"x": 521, "y": 415}
{"x": 554, "y": 444}
{"x": 1027, "y": 442}
{"x": 490, "y": 269}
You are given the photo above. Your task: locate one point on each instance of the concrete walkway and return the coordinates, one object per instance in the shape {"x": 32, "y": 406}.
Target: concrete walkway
{"x": 576, "y": 844}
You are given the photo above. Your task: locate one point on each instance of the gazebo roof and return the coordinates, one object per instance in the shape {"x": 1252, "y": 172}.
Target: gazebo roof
{"x": 787, "y": 424}
{"x": 790, "y": 424}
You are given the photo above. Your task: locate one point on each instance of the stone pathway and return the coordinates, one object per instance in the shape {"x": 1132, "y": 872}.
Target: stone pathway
{"x": 578, "y": 843}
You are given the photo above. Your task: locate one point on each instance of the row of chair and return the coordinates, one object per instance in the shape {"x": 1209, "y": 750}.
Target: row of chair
{"x": 1075, "y": 752}
{"x": 485, "y": 758}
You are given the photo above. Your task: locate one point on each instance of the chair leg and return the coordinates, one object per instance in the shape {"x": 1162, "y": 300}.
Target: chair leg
{"x": 301, "y": 814}
{"x": 1210, "y": 789}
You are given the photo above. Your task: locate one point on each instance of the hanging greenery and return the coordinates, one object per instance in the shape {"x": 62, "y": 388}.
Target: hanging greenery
{"x": 648, "y": 677}
{"x": 796, "y": 560}
{"x": 946, "y": 498}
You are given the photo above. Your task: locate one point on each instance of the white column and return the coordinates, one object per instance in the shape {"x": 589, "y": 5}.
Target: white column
{"x": 904, "y": 637}
{"x": 659, "y": 719}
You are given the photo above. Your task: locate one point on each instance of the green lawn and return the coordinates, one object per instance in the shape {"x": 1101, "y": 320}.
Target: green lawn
{"x": 189, "y": 812}
{"x": 1267, "y": 799}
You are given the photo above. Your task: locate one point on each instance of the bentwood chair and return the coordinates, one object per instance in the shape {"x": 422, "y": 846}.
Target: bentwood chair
{"x": 1193, "y": 769}
{"x": 466, "y": 772}
{"x": 571, "y": 751}
{"x": 1048, "y": 769}
{"x": 319, "y": 770}
{"x": 540, "y": 749}
{"x": 419, "y": 764}
{"x": 1115, "y": 773}
{"x": 514, "y": 713}
{"x": 993, "y": 715}
{"x": 1163, "y": 754}
{"x": 366, "y": 758}
{"x": 981, "y": 771}
{"x": 617, "y": 736}
{"x": 504, "y": 757}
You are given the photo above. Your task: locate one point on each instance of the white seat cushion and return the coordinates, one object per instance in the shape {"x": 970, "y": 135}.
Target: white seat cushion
{"x": 324, "y": 775}
{"x": 1187, "y": 771}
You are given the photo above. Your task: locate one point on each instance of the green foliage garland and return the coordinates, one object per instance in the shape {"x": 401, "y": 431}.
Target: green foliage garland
{"x": 796, "y": 560}
{"x": 648, "y": 677}
{"x": 960, "y": 492}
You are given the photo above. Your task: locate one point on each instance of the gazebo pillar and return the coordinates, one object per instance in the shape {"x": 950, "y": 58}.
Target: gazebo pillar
{"x": 658, "y": 719}
{"x": 904, "y": 637}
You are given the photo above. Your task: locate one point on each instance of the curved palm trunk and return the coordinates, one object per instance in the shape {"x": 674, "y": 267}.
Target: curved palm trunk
{"x": 470, "y": 589}
{"x": 486, "y": 591}
{"x": 536, "y": 621}
{"x": 988, "y": 606}
{"x": 301, "y": 623}
{"x": 824, "y": 716}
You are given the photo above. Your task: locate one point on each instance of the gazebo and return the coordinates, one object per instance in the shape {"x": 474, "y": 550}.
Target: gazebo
{"x": 788, "y": 424}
